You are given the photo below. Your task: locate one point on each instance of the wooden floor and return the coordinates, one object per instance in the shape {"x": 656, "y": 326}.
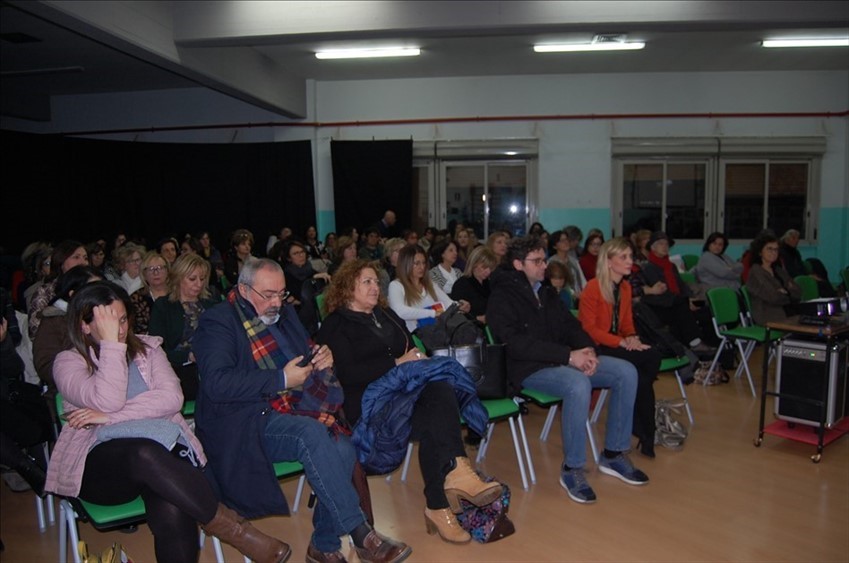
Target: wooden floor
{"x": 718, "y": 499}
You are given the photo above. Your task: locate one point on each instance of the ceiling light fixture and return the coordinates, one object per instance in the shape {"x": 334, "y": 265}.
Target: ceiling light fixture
{"x": 601, "y": 42}
{"x": 825, "y": 42}
{"x": 368, "y": 53}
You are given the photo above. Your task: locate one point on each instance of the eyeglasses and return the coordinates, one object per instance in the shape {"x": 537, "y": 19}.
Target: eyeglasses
{"x": 268, "y": 296}
{"x": 154, "y": 269}
{"x": 770, "y": 249}
{"x": 297, "y": 253}
{"x": 536, "y": 261}
{"x": 134, "y": 261}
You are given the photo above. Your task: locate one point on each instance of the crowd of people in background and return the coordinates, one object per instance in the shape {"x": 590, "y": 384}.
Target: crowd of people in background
{"x": 566, "y": 304}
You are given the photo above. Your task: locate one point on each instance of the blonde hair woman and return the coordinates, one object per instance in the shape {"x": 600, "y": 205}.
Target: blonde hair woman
{"x": 175, "y": 316}
{"x": 155, "y": 285}
{"x": 606, "y": 315}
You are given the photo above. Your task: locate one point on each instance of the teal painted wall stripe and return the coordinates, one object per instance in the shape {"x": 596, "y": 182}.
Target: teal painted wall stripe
{"x": 326, "y": 223}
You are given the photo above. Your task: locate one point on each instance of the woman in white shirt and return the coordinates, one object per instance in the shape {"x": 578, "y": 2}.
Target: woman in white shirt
{"x": 412, "y": 294}
{"x": 443, "y": 273}
{"x": 129, "y": 259}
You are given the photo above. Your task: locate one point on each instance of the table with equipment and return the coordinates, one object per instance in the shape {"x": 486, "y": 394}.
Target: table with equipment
{"x": 818, "y": 345}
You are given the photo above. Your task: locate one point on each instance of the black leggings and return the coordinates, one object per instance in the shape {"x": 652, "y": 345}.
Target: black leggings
{"x": 436, "y": 424}
{"x": 647, "y": 363}
{"x": 176, "y": 494}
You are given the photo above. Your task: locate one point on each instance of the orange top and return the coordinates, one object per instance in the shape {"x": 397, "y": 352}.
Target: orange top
{"x": 596, "y": 314}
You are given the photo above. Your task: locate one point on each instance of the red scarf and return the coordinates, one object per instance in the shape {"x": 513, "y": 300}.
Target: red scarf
{"x": 669, "y": 270}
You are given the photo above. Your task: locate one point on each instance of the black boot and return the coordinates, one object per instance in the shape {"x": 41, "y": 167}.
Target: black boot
{"x": 25, "y": 465}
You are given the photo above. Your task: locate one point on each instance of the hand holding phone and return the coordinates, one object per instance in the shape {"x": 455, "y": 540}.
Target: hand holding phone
{"x": 308, "y": 357}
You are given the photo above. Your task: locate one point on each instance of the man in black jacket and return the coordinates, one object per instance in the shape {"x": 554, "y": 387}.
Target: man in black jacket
{"x": 547, "y": 350}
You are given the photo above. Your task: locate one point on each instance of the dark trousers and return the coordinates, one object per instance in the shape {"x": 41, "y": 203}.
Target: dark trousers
{"x": 176, "y": 494}
{"x": 436, "y": 425}
{"x": 647, "y": 363}
{"x": 680, "y": 320}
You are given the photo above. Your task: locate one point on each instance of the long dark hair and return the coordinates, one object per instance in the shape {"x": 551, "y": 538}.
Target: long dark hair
{"x": 712, "y": 238}
{"x": 81, "y": 310}
{"x": 70, "y": 281}
{"x": 61, "y": 252}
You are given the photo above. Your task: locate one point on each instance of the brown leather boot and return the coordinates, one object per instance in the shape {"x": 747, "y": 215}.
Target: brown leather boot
{"x": 443, "y": 522}
{"x": 463, "y": 482}
{"x": 316, "y": 556}
{"x": 378, "y": 548}
{"x": 231, "y": 528}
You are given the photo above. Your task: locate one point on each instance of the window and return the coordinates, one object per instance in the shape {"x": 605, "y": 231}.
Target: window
{"x": 691, "y": 187}
{"x": 762, "y": 195}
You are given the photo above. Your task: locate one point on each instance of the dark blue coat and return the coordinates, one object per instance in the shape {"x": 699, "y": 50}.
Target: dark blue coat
{"x": 383, "y": 431}
{"x": 232, "y": 404}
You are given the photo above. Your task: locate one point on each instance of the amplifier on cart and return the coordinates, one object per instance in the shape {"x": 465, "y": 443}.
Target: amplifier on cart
{"x": 801, "y": 371}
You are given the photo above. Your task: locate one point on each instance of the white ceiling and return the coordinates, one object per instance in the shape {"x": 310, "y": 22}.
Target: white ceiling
{"x": 262, "y": 52}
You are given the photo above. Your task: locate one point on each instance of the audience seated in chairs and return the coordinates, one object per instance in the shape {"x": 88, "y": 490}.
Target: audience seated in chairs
{"x": 589, "y": 257}
{"x": 155, "y": 285}
{"x": 122, "y": 402}
{"x": 715, "y": 268}
{"x": 389, "y": 263}
{"x": 175, "y": 317}
{"x": 672, "y": 303}
{"x": 36, "y": 262}
{"x": 53, "y": 336}
{"x": 412, "y": 294}
{"x": 128, "y": 259}
{"x": 303, "y": 283}
{"x": 239, "y": 254}
{"x": 443, "y": 256}
{"x": 473, "y": 285}
{"x": 66, "y": 255}
{"x": 344, "y": 251}
{"x": 360, "y": 329}
{"x": 606, "y": 315}
{"x": 169, "y": 249}
{"x": 772, "y": 290}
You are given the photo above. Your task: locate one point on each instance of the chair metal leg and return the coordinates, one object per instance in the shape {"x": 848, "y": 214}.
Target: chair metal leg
{"x": 716, "y": 359}
{"x": 684, "y": 395}
{"x": 63, "y": 531}
{"x": 407, "y": 462}
{"x": 746, "y": 365}
{"x": 298, "y": 492}
{"x": 39, "y": 514}
{"x": 485, "y": 442}
{"x": 549, "y": 420}
{"x": 591, "y": 437}
{"x": 518, "y": 454}
{"x": 528, "y": 459}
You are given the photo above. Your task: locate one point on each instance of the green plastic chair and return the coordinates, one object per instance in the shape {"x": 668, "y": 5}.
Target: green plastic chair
{"x": 725, "y": 310}
{"x": 810, "y": 290}
{"x": 690, "y": 261}
{"x": 688, "y": 277}
{"x": 319, "y": 304}
{"x": 101, "y": 517}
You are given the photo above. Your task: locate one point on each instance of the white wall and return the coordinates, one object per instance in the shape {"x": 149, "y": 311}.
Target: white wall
{"x": 574, "y": 161}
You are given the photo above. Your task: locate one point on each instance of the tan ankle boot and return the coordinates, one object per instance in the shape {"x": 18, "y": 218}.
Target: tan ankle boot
{"x": 231, "y": 528}
{"x": 464, "y": 482}
{"x": 443, "y": 522}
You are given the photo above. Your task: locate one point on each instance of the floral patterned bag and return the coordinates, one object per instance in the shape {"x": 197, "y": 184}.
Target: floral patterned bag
{"x": 489, "y": 523}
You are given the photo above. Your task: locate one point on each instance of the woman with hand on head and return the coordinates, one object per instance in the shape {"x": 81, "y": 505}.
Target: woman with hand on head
{"x": 412, "y": 294}
{"x": 155, "y": 279}
{"x": 368, "y": 340}
{"x": 125, "y": 437}
{"x": 175, "y": 317}
{"x": 606, "y": 315}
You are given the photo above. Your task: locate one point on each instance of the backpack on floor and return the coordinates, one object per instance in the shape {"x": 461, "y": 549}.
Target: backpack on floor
{"x": 489, "y": 523}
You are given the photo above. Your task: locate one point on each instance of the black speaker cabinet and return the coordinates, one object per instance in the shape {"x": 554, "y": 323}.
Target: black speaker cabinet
{"x": 802, "y": 372}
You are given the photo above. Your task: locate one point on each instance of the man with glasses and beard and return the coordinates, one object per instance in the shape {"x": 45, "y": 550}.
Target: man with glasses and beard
{"x": 250, "y": 349}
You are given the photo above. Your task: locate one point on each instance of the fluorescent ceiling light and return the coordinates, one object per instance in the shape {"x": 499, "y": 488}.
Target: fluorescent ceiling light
{"x": 602, "y": 46}
{"x": 826, "y": 42}
{"x": 368, "y": 53}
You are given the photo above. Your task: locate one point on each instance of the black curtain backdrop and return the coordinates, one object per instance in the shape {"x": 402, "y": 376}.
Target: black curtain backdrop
{"x": 56, "y": 188}
{"x": 370, "y": 177}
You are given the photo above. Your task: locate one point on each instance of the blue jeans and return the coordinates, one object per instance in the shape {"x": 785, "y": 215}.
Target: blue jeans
{"x": 328, "y": 463}
{"x": 575, "y": 388}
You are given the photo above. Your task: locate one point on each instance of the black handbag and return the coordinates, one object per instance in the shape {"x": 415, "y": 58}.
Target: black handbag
{"x": 486, "y": 364}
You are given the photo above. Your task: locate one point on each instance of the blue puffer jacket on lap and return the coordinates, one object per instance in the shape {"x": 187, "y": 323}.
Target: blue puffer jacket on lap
{"x": 383, "y": 431}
